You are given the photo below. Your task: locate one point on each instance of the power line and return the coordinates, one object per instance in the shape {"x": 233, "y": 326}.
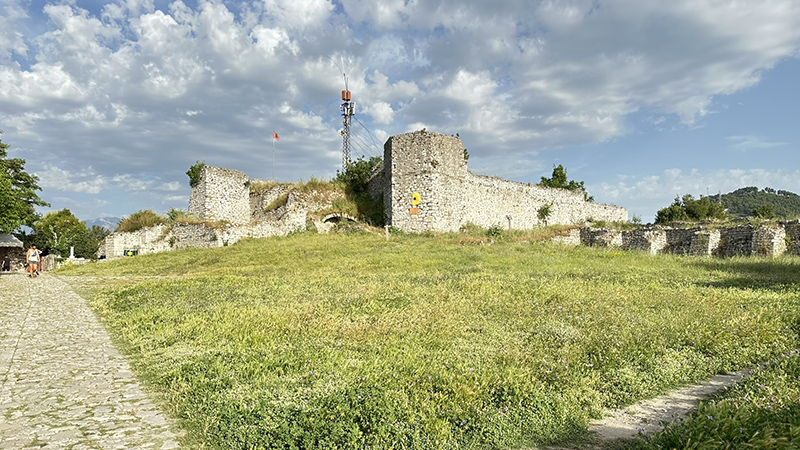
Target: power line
{"x": 375, "y": 140}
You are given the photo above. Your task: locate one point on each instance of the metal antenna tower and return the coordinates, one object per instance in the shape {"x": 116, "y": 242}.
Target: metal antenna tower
{"x": 348, "y": 109}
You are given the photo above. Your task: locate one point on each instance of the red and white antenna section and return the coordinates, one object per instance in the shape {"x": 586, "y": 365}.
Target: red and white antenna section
{"x": 348, "y": 109}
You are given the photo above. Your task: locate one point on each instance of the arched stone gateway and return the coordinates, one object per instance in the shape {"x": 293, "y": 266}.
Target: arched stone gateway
{"x": 338, "y": 218}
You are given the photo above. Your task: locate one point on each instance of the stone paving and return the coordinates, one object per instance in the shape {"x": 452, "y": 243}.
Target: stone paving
{"x": 63, "y": 384}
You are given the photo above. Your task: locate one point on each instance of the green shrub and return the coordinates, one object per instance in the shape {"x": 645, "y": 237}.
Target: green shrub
{"x": 494, "y": 231}
{"x": 357, "y": 174}
{"x": 544, "y": 212}
{"x": 195, "y": 173}
{"x": 141, "y": 219}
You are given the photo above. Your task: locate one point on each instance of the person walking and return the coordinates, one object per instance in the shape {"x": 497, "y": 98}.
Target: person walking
{"x": 32, "y": 258}
{"x": 6, "y": 264}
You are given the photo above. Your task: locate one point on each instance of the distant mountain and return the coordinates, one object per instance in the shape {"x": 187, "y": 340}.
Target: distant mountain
{"x": 109, "y": 223}
{"x": 742, "y": 202}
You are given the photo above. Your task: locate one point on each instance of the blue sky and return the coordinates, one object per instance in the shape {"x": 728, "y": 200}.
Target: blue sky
{"x": 110, "y": 103}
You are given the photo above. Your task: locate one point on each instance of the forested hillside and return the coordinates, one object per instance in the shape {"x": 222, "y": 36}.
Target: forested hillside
{"x": 742, "y": 202}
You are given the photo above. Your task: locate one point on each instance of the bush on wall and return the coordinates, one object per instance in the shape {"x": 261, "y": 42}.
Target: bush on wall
{"x": 195, "y": 173}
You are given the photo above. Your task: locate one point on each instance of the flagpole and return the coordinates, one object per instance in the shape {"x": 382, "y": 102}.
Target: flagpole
{"x": 273, "y": 156}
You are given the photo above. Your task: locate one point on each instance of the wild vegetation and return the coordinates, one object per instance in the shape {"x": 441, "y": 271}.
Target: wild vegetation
{"x": 427, "y": 341}
{"x": 559, "y": 180}
{"x": 195, "y": 173}
{"x": 57, "y": 231}
{"x": 355, "y": 179}
{"x": 144, "y": 218}
{"x": 18, "y": 195}
{"x": 689, "y": 209}
{"x": 741, "y": 203}
{"x": 750, "y": 201}
{"x": 347, "y": 193}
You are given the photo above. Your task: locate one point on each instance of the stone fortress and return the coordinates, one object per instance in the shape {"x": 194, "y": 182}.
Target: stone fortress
{"x": 433, "y": 166}
{"x": 425, "y": 185}
{"x": 427, "y": 164}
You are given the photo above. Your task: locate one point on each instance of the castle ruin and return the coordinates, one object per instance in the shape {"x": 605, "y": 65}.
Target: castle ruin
{"x": 427, "y": 164}
{"x": 433, "y": 166}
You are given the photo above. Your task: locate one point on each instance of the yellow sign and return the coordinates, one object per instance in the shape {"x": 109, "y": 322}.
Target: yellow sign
{"x": 415, "y": 198}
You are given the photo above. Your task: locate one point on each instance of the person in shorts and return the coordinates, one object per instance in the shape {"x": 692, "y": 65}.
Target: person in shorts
{"x": 32, "y": 258}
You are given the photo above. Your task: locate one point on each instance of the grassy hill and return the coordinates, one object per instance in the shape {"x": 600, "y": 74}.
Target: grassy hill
{"x": 424, "y": 342}
{"x": 742, "y": 202}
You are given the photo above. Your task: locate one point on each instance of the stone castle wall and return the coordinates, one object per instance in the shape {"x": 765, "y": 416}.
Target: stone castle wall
{"x": 146, "y": 240}
{"x": 221, "y": 195}
{"x": 433, "y": 166}
{"x": 430, "y": 164}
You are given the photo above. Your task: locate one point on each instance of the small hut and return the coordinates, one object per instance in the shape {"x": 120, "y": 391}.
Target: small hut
{"x": 13, "y": 247}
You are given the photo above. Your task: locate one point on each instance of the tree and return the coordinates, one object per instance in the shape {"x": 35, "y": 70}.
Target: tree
{"x": 355, "y": 179}
{"x": 57, "y": 231}
{"x": 357, "y": 174}
{"x": 672, "y": 213}
{"x": 17, "y": 193}
{"x": 690, "y": 209}
{"x": 86, "y": 244}
{"x": 559, "y": 180}
{"x": 764, "y": 212}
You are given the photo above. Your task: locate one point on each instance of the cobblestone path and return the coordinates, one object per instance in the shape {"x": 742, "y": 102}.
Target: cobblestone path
{"x": 63, "y": 384}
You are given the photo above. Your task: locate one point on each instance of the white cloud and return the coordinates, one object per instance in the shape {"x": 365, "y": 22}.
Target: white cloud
{"x": 750, "y": 142}
{"x": 130, "y": 89}
{"x": 649, "y": 193}
{"x": 55, "y": 178}
{"x": 381, "y": 112}
{"x": 11, "y": 39}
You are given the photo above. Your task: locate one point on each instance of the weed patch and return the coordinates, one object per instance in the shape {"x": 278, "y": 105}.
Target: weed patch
{"x": 353, "y": 341}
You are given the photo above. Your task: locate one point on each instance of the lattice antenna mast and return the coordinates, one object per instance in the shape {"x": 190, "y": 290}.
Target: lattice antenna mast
{"x": 348, "y": 109}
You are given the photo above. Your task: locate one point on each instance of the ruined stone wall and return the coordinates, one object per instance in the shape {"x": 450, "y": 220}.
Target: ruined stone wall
{"x": 736, "y": 241}
{"x": 601, "y": 237}
{"x": 433, "y": 165}
{"x": 191, "y": 235}
{"x": 651, "y": 241}
{"x": 146, "y": 240}
{"x": 573, "y": 238}
{"x": 742, "y": 240}
{"x": 769, "y": 240}
{"x": 260, "y": 201}
{"x": 792, "y": 231}
{"x": 221, "y": 195}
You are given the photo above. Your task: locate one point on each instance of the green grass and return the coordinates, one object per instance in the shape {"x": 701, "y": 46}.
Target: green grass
{"x": 762, "y": 412}
{"x": 350, "y": 341}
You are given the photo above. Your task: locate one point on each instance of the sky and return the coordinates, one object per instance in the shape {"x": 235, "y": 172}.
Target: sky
{"x": 110, "y": 103}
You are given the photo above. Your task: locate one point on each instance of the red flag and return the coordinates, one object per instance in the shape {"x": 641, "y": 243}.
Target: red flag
{"x": 275, "y": 136}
